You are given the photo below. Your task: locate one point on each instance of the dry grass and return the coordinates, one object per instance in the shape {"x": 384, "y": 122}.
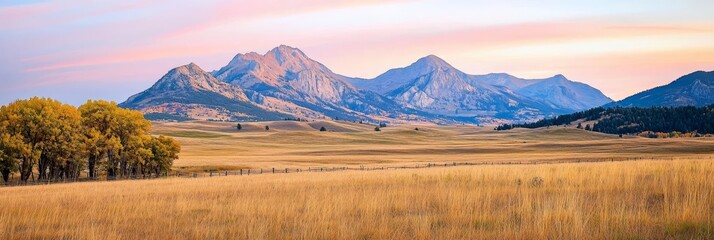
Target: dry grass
{"x": 612, "y": 200}
{"x": 620, "y": 200}
{"x": 300, "y": 144}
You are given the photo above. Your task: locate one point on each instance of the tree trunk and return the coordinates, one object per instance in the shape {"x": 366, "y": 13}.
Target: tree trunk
{"x": 26, "y": 169}
{"x": 111, "y": 165}
{"x": 123, "y": 166}
{"x": 41, "y": 165}
{"x": 91, "y": 163}
{"x": 6, "y": 174}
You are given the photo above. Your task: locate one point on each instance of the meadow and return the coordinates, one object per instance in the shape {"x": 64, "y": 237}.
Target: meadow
{"x": 219, "y": 146}
{"x": 614, "y": 200}
{"x": 663, "y": 190}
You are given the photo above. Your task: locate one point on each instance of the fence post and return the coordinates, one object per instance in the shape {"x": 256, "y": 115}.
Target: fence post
{"x": 210, "y": 173}
{"x": 241, "y": 172}
{"x": 248, "y": 171}
{"x": 273, "y": 170}
{"x": 286, "y": 170}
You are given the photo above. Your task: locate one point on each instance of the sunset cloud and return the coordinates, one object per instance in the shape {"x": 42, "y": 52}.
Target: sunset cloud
{"x": 619, "y": 47}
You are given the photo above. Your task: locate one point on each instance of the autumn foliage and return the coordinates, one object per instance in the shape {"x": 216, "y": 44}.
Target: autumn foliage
{"x": 44, "y": 139}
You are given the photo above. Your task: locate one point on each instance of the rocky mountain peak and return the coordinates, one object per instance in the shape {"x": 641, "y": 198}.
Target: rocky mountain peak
{"x": 283, "y": 52}
{"x": 431, "y": 62}
{"x": 191, "y": 77}
{"x": 272, "y": 68}
{"x": 559, "y": 77}
{"x": 188, "y": 69}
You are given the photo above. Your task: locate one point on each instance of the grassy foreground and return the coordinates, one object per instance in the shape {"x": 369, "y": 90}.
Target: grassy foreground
{"x": 617, "y": 200}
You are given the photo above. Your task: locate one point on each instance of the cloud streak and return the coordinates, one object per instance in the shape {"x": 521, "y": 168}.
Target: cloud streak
{"x": 70, "y": 43}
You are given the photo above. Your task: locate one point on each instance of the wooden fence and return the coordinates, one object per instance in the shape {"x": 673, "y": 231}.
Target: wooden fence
{"x": 258, "y": 171}
{"x": 248, "y": 172}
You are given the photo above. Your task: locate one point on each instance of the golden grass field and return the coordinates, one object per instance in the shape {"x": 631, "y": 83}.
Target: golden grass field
{"x": 218, "y": 146}
{"x": 643, "y": 199}
{"x": 620, "y": 200}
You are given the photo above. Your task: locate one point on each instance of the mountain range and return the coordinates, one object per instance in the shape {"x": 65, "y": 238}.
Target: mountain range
{"x": 188, "y": 92}
{"x": 286, "y": 83}
{"x": 432, "y": 85}
{"x": 694, "y": 89}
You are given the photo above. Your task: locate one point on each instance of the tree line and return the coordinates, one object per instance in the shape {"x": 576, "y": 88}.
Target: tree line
{"x": 565, "y": 119}
{"x": 57, "y": 141}
{"x": 635, "y": 120}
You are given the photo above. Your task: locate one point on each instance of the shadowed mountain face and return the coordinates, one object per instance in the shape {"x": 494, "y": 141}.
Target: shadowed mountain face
{"x": 398, "y": 77}
{"x": 285, "y": 79}
{"x": 432, "y": 85}
{"x": 285, "y": 82}
{"x": 188, "y": 92}
{"x": 694, "y": 89}
{"x": 451, "y": 92}
{"x": 560, "y": 93}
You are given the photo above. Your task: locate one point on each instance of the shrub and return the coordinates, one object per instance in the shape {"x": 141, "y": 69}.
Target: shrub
{"x": 536, "y": 182}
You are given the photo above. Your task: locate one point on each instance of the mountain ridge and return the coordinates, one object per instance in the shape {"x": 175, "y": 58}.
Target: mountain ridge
{"x": 290, "y": 79}
{"x": 695, "y": 89}
{"x": 189, "y": 92}
{"x": 286, "y": 82}
{"x": 495, "y": 95}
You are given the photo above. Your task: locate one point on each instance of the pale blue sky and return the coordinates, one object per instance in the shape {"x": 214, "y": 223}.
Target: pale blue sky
{"x": 77, "y": 50}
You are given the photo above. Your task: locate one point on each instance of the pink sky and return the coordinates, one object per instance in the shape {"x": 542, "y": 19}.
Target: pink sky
{"x": 75, "y": 50}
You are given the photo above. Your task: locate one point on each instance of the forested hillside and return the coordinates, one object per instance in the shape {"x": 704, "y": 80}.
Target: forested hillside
{"x": 635, "y": 120}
